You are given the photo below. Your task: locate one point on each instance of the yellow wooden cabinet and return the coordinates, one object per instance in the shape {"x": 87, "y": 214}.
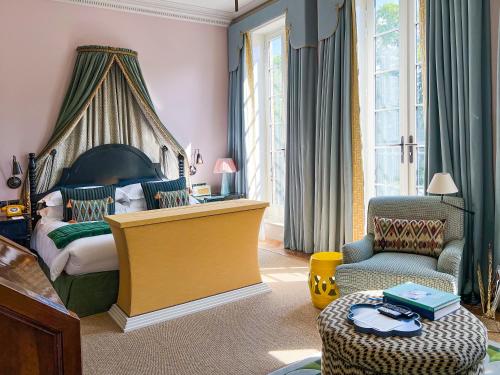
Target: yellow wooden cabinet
{"x": 172, "y": 256}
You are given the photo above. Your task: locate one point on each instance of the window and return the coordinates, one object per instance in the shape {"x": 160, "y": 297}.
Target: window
{"x": 265, "y": 120}
{"x": 275, "y": 110}
{"x": 392, "y": 97}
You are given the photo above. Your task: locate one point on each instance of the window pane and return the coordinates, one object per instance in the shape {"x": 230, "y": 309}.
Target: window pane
{"x": 387, "y": 161}
{"x": 419, "y": 87}
{"x": 279, "y": 137}
{"x": 419, "y": 114}
{"x": 279, "y": 178}
{"x": 386, "y": 127}
{"x": 387, "y": 90}
{"x": 387, "y": 15}
{"x": 420, "y": 170}
{"x": 277, "y": 109}
{"x": 277, "y": 78}
{"x": 387, "y": 51}
{"x": 418, "y": 49}
{"x": 383, "y": 190}
{"x": 275, "y": 54}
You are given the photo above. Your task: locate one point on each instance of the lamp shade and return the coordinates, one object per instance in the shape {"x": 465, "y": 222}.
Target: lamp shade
{"x": 16, "y": 167}
{"x": 442, "y": 184}
{"x": 224, "y": 165}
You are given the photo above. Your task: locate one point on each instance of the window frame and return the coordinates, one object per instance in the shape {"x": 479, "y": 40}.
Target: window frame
{"x": 269, "y": 122}
{"x": 407, "y": 91}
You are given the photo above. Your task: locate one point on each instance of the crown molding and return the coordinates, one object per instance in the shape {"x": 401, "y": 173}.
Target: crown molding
{"x": 165, "y": 9}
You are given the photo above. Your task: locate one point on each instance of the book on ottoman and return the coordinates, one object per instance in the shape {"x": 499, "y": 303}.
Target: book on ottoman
{"x": 430, "y": 303}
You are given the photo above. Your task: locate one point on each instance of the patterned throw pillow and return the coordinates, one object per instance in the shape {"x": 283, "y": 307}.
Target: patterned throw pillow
{"x": 424, "y": 237}
{"x": 89, "y": 210}
{"x": 167, "y": 199}
{"x": 151, "y": 189}
{"x": 80, "y": 194}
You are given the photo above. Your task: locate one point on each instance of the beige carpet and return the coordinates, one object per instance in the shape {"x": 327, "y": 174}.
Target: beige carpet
{"x": 252, "y": 336}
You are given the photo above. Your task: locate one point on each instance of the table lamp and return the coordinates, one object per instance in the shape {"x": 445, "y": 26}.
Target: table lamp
{"x": 442, "y": 184}
{"x": 225, "y": 166}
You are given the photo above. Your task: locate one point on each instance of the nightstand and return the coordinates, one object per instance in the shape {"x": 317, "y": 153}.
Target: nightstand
{"x": 218, "y": 198}
{"x": 15, "y": 229}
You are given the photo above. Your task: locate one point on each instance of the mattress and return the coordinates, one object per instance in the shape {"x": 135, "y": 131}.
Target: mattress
{"x": 85, "y": 255}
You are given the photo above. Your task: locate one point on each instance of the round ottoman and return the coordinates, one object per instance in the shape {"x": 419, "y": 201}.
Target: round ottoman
{"x": 322, "y": 285}
{"x": 454, "y": 344}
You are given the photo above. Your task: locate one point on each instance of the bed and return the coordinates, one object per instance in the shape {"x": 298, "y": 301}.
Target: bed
{"x": 85, "y": 273}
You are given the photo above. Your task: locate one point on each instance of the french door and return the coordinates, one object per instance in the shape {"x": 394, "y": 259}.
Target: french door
{"x": 392, "y": 111}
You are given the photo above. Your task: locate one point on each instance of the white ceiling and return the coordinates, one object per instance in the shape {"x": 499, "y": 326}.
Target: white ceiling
{"x": 215, "y": 12}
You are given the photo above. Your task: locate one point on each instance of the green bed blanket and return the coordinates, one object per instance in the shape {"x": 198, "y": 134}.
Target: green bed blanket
{"x": 64, "y": 235}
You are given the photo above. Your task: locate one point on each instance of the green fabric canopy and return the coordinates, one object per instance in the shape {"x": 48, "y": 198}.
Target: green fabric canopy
{"x": 107, "y": 102}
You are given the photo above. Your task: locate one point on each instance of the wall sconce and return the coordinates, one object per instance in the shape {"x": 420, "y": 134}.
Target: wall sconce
{"x": 197, "y": 160}
{"x": 14, "y": 182}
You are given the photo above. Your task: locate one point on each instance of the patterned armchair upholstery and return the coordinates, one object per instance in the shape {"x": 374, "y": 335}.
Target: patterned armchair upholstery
{"x": 364, "y": 270}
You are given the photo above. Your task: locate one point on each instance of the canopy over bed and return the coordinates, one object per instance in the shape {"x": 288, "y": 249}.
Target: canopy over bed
{"x": 107, "y": 102}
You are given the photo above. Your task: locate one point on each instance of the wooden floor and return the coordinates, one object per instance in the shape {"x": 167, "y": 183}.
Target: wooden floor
{"x": 493, "y": 326}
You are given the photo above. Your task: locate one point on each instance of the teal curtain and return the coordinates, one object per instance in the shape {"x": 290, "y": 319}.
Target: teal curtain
{"x": 131, "y": 64}
{"x": 333, "y": 178}
{"x": 89, "y": 70}
{"x": 459, "y": 129}
{"x": 300, "y": 150}
{"x": 497, "y": 155}
{"x": 236, "y": 129}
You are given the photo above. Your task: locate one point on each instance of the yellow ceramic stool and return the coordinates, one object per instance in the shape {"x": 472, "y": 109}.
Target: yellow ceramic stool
{"x": 322, "y": 283}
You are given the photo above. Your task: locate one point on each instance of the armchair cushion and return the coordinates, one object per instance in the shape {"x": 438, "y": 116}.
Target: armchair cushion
{"x": 451, "y": 257}
{"x": 359, "y": 250}
{"x": 387, "y": 269}
{"x": 417, "y": 236}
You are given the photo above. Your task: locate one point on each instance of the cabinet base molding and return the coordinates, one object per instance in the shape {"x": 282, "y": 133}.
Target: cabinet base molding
{"x": 130, "y": 323}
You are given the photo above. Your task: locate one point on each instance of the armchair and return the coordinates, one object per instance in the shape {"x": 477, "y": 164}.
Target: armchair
{"x": 364, "y": 270}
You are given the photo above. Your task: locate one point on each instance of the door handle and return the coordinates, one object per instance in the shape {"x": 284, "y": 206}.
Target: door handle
{"x": 401, "y": 145}
{"x": 410, "y": 145}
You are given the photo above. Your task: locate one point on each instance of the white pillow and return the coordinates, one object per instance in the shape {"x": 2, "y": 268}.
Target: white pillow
{"x": 55, "y": 212}
{"x": 121, "y": 208}
{"x": 138, "y": 205}
{"x": 133, "y": 191}
{"x": 55, "y": 198}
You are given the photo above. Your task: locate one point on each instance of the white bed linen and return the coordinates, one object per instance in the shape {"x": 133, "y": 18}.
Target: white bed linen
{"x": 85, "y": 255}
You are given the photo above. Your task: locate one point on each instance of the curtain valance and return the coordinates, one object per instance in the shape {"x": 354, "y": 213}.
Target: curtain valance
{"x": 301, "y": 19}
{"x": 328, "y": 17}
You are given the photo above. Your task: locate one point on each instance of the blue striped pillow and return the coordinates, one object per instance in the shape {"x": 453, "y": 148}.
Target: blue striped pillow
{"x": 87, "y": 195}
{"x": 152, "y": 188}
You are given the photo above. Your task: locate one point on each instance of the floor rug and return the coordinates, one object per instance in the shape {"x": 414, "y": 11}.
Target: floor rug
{"x": 312, "y": 365}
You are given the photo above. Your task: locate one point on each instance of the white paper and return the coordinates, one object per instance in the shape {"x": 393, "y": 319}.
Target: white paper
{"x": 377, "y": 320}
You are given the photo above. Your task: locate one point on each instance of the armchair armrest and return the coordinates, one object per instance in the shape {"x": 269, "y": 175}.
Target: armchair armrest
{"x": 450, "y": 258}
{"x": 359, "y": 250}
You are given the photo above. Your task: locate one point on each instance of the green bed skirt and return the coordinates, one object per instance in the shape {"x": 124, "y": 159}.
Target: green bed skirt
{"x": 87, "y": 294}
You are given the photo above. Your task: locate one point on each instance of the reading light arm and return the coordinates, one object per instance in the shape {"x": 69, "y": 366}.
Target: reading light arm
{"x": 457, "y": 207}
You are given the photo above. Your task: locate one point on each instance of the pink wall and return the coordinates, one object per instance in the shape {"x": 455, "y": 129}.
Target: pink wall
{"x": 184, "y": 64}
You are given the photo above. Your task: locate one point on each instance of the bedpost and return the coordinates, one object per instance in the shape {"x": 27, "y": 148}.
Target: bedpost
{"x": 180, "y": 158}
{"x": 32, "y": 187}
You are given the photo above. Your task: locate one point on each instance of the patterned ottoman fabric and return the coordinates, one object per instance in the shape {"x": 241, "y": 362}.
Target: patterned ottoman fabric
{"x": 454, "y": 344}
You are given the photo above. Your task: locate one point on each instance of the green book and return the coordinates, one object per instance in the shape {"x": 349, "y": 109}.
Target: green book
{"x": 420, "y": 296}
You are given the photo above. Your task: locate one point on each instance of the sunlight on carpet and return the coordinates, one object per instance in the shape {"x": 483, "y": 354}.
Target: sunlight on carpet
{"x": 291, "y": 356}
